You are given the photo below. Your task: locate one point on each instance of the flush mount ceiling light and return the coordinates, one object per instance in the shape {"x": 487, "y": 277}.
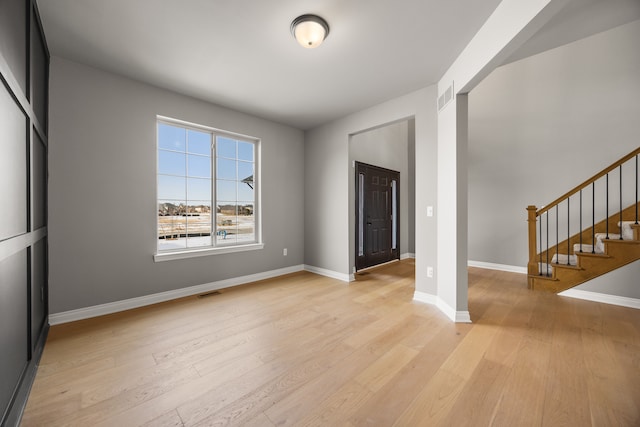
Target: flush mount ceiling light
{"x": 309, "y": 30}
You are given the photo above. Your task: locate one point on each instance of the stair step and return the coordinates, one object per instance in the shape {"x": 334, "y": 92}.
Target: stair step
{"x": 564, "y": 259}
{"x": 627, "y": 229}
{"x": 589, "y": 248}
{"x": 600, "y": 239}
{"x": 612, "y": 236}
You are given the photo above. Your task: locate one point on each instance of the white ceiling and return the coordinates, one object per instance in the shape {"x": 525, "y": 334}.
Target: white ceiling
{"x": 240, "y": 53}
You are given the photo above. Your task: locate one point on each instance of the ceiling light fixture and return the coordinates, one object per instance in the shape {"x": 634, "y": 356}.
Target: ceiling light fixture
{"x": 309, "y": 30}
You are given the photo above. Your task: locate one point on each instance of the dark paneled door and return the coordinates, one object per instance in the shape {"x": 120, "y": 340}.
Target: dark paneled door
{"x": 377, "y": 215}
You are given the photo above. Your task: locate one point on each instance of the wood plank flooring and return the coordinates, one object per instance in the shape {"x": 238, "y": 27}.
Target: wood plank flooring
{"x": 306, "y": 350}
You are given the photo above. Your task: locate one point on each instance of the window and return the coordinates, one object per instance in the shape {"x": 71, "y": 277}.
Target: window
{"x": 206, "y": 189}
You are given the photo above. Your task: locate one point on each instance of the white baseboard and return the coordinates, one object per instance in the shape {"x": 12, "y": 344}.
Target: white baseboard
{"x": 450, "y": 312}
{"x": 501, "y": 267}
{"x": 407, "y": 255}
{"x": 425, "y": 297}
{"x": 604, "y": 298}
{"x": 128, "y": 304}
{"x": 329, "y": 273}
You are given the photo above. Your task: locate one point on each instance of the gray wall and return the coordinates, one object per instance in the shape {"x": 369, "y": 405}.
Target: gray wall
{"x": 329, "y": 236}
{"x": 540, "y": 126}
{"x": 623, "y": 282}
{"x": 102, "y": 180}
{"x": 390, "y": 147}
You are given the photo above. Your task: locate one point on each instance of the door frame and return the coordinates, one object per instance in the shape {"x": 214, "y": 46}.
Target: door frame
{"x": 394, "y": 253}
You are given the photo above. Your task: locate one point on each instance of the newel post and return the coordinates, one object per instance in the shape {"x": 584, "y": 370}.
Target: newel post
{"x": 532, "y": 266}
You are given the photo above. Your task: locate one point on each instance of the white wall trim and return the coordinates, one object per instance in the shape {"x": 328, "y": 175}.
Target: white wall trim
{"x": 408, "y": 255}
{"x": 501, "y": 267}
{"x": 128, "y": 304}
{"x": 603, "y": 298}
{"x": 450, "y": 312}
{"x": 425, "y": 297}
{"x": 329, "y": 273}
{"x": 194, "y": 253}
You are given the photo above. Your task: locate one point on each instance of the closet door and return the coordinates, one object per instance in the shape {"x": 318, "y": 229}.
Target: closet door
{"x": 24, "y": 92}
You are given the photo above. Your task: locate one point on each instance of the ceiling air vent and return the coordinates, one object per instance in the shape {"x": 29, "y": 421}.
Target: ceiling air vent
{"x": 445, "y": 98}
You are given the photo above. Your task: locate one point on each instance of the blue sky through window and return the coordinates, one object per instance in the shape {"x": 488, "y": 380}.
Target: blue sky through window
{"x": 184, "y": 166}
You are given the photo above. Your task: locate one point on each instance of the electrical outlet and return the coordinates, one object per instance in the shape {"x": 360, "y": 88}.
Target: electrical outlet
{"x": 429, "y": 210}
{"x": 284, "y": 252}
{"x": 429, "y": 271}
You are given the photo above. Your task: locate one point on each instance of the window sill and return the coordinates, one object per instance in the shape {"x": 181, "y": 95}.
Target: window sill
{"x": 194, "y": 253}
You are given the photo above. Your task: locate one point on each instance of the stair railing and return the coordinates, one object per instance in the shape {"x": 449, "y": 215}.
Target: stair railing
{"x": 541, "y": 250}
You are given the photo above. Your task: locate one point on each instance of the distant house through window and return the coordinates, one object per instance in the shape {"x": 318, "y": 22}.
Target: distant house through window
{"x": 206, "y": 188}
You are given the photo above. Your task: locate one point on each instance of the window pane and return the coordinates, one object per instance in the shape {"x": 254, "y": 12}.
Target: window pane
{"x": 226, "y": 169}
{"x": 226, "y": 223}
{"x": 226, "y": 209}
{"x": 171, "y": 225}
{"x": 171, "y": 137}
{"x": 245, "y": 172}
{"x": 198, "y": 189}
{"x": 226, "y": 190}
{"x": 168, "y": 244}
{"x": 171, "y": 163}
{"x": 199, "y": 142}
{"x": 171, "y": 207}
{"x": 199, "y": 223}
{"x": 245, "y": 151}
{"x": 185, "y": 178}
{"x": 245, "y": 192}
{"x": 199, "y": 166}
{"x": 246, "y": 223}
{"x": 198, "y": 241}
{"x": 172, "y": 187}
{"x": 226, "y": 147}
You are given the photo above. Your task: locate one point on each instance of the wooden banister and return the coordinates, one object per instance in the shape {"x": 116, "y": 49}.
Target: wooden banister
{"x": 532, "y": 266}
{"x": 588, "y": 182}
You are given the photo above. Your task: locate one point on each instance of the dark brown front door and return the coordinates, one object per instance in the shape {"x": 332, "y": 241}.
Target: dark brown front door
{"x": 377, "y": 215}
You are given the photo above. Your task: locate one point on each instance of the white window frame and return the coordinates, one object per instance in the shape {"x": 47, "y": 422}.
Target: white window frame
{"x": 172, "y": 254}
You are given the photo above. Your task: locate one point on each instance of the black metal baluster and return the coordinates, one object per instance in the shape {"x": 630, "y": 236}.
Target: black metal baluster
{"x": 568, "y": 233}
{"x": 580, "y": 220}
{"x": 607, "y": 216}
{"x": 557, "y": 242}
{"x": 620, "y": 202}
{"x": 593, "y": 217}
{"x": 547, "y": 267}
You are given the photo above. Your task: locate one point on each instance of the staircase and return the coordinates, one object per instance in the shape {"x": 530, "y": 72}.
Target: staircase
{"x": 595, "y": 248}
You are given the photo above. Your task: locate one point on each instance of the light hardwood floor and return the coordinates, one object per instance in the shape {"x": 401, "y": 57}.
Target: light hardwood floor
{"x": 308, "y": 350}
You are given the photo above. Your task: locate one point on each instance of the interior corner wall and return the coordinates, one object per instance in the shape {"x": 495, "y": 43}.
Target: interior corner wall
{"x": 327, "y": 191}
{"x": 542, "y": 125}
{"x": 102, "y": 180}
{"x": 387, "y": 147}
